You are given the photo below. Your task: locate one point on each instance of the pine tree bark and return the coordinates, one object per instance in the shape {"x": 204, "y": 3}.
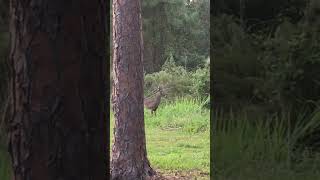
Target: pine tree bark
{"x": 129, "y": 155}
{"x": 57, "y": 112}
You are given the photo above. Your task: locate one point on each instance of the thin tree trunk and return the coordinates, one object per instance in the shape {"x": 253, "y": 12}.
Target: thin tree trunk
{"x": 129, "y": 155}
{"x": 57, "y": 112}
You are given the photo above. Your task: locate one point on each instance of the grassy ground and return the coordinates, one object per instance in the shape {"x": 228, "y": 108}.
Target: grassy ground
{"x": 178, "y": 141}
{"x": 178, "y": 145}
{"x": 263, "y": 150}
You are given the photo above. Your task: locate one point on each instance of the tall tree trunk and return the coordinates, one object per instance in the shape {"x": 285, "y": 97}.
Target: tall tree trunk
{"x": 57, "y": 113}
{"x": 129, "y": 155}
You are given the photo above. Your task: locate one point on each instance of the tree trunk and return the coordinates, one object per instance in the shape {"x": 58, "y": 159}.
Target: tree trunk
{"x": 57, "y": 112}
{"x": 129, "y": 155}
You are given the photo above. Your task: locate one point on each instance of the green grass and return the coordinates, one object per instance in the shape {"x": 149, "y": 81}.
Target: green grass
{"x": 177, "y": 140}
{"x": 178, "y": 137}
{"x": 171, "y": 151}
{"x": 263, "y": 150}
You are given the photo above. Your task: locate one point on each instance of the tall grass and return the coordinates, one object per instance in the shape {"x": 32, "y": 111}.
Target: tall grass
{"x": 183, "y": 114}
{"x": 264, "y": 149}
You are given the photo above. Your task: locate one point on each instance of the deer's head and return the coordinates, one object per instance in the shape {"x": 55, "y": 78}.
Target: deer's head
{"x": 159, "y": 90}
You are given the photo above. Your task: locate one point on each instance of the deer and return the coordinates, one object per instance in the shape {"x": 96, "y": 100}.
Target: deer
{"x": 153, "y": 103}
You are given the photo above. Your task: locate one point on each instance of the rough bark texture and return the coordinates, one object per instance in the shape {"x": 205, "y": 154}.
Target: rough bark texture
{"x": 57, "y": 112}
{"x": 129, "y": 155}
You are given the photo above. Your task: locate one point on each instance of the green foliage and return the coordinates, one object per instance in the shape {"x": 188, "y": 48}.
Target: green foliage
{"x": 176, "y": 78}
{"x": 176, "y": 28}
{"x": 256, "y": 11}
{"x": 245, "y": 146}
{"x": 276, "y": 66}
{"x": 201, "y": 81}
{"x": 292, "y": 60}
{"x": 275, "y": 70}
{"x": 237, "y": 71}
{"x": 178, "y": 82}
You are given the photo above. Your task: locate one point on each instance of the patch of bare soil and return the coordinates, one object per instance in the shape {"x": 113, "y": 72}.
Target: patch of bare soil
{"x": 182, "y": 175}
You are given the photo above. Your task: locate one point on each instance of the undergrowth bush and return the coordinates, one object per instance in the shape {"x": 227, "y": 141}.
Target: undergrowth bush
{"x": 178, "y": 82}
{"x": 292, "y": 62}
{"x": 276, "y": 66}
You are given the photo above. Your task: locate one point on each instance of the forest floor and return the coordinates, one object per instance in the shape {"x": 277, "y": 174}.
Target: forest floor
{"x": 183, "y": 175}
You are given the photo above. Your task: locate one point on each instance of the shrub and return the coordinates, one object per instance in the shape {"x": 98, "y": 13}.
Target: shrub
{"x": 292, "y": 61}
{"x": 201, "y": 82}
{"x": 178, "y": 82}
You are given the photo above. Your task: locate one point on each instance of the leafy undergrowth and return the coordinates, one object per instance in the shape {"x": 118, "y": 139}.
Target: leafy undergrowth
{"x": 178, "y": 140}
{"x": 263, "y": 150}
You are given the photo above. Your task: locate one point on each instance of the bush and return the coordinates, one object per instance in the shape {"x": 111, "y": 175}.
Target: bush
{"x": 292, "y": 62}
{"x": 237, "y": 71}
{"x": 201, "y": 82}
{"x": 178, "y": 82}
{"x": 276, "y": 67}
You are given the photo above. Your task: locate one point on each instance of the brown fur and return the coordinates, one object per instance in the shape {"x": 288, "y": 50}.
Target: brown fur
{"x": 153, "y": 103}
